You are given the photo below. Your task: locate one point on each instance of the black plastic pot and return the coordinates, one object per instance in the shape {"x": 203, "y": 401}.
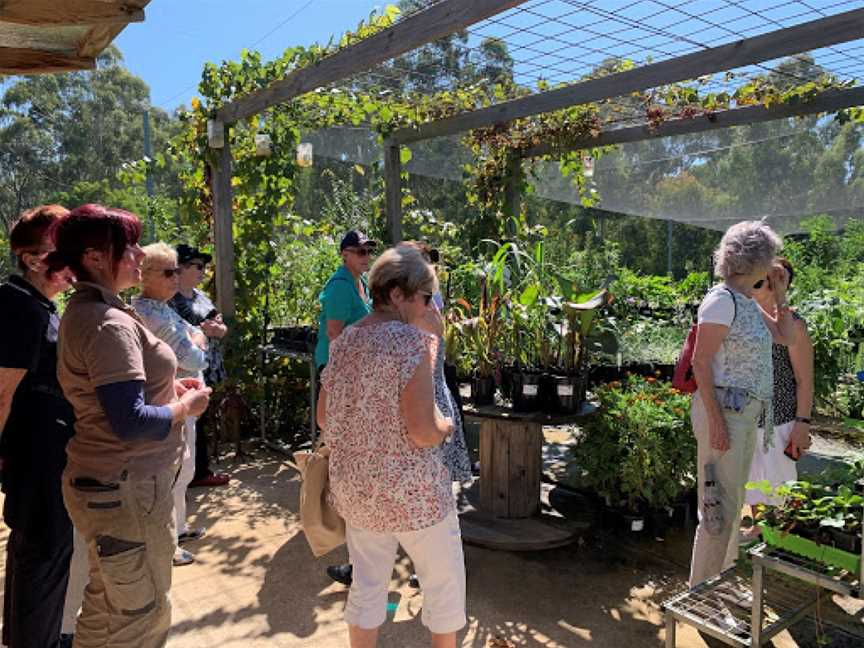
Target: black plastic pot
{"x": 565, "y": 393}
{"x": 483, "y": 390}
{"x": 525, "y": 391}
{"x": 507, "y": 372}
{"x": 846, "y": 541}
{"x": 660, "y": 520}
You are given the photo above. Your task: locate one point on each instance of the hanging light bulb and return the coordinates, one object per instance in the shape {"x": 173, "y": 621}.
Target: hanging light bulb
{"x": 304, "y": 154}
{"x": 587, "y": 165}
{"x": 263, "y": 145}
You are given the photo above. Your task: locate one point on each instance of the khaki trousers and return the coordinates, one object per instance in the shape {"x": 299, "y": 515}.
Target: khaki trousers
{"x": 128, "y": 526}
{"x": 714, "y": 553}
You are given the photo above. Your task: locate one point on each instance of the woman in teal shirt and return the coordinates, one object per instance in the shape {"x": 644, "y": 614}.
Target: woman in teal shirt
{"x": 345, "y": 298}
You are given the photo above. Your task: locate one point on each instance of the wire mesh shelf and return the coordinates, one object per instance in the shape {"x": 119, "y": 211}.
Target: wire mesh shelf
{"x": 722, "y": 607}
{"x": 806, "y": 569}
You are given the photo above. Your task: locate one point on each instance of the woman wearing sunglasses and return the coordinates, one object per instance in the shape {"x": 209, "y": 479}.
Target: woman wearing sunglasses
{"x": 387, "y": 476}
{"x": 159, "y": 283}
{"x": 36, "y": 422}
{"x": 732, "y": 367}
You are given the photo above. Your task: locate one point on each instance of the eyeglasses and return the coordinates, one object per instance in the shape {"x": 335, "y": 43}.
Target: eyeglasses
{"x": 169, "y": 272}
{"x": 362, "y": 252}
{"x": 759, "y": 284}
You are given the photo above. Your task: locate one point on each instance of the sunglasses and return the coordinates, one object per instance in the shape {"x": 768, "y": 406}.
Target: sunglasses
{"x": 170, "y": 272}
{"x": 361, "y": 252}
{"x": 759, "y": 284}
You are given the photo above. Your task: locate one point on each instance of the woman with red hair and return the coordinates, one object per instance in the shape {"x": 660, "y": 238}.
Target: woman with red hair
{"x": 35, "y": 422}
{"x": 123, "y": 458}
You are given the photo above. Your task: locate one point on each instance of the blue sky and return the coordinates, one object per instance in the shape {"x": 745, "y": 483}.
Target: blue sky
{"x": 169, "y": 50}
{"x": 554, "y": 40}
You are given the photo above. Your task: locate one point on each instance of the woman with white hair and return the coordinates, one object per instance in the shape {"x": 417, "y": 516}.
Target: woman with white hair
{"x": 387, "y": 477}
{"x": 160, "y": 277}
{"x": 732, "y": 367}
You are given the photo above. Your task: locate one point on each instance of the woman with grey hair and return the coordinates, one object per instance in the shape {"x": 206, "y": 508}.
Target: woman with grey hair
{"x": 732, "y": 367}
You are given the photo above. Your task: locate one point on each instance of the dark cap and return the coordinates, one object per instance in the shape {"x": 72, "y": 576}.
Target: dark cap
{"x": 356, "y": 238}
{"x": 187, "y": 253}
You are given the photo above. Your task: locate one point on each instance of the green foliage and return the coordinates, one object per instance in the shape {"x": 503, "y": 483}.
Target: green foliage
{"x": 638, "y": 450}
{"x": 806, "y": 508}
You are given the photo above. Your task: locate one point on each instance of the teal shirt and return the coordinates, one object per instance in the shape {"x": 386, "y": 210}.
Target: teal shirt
{"x": 340, "y": 301}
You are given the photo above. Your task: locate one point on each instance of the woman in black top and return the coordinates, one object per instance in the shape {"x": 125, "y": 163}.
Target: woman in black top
{"x": 36, "y": 422}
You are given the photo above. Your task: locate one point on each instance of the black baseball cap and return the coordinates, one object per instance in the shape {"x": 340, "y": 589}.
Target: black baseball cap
{"x": 356, "y": 238}
{"x": 187, "y": 253}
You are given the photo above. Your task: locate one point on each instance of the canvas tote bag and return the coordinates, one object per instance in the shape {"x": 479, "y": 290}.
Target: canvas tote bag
{"x": 323, "y": 526}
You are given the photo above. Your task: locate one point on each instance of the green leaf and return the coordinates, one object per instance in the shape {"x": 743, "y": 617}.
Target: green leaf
{"x": 405, "y": 155}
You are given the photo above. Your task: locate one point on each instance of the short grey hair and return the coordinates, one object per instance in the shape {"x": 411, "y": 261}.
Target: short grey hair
{"x": 744, "y": 247}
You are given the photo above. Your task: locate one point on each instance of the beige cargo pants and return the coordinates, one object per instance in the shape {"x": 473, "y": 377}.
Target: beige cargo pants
{"x": 128, "y": 526}
{"x": 714, "y": 553}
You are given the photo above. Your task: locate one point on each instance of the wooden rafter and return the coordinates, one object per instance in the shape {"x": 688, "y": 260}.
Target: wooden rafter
{"x": 829, "y": 101}
{"x": 438, "y": 21}
{"x": 15, "y": 60}
{"x": 68, "y": 12}
{"x": 805, "y": 37}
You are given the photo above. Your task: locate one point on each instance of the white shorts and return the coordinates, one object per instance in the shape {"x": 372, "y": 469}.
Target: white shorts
{"x": 436, "y": 552}
{"x": 771, "y": 465}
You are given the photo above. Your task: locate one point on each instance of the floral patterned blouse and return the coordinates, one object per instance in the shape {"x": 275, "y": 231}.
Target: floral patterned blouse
{"x": 379, "y": 480}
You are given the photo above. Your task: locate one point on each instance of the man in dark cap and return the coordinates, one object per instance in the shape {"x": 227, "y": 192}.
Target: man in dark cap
{"x": 196, "y": 308}
{"x": 345, "y": 299}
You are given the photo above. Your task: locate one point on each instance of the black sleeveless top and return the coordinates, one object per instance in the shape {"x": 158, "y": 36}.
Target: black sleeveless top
{"x": 785, "y": 385}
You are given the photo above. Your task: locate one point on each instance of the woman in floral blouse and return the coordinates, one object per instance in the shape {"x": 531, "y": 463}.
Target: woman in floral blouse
{"x": 387, "y": 478}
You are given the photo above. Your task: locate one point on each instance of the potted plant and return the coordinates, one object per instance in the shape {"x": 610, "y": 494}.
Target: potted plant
{"x": 480, "y": 331}
{"x": 578, "y": 336}
{"x": 815, "y": 521}
{"x": 638, "y": 451}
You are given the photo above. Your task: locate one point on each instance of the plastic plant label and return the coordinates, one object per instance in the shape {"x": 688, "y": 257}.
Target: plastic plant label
{"x": 565, "y": 390}
{"x": 637, "y": 525}
{"x": 529, "y": 390}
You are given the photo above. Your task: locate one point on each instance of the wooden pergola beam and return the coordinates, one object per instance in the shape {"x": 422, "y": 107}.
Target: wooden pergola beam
{"x": 805, "y": 37}
{"x": 829, "y": 101}
{"x": 68, "y": 12}
{"x": 16, "y": 60}
{"x": 438, "y": 21}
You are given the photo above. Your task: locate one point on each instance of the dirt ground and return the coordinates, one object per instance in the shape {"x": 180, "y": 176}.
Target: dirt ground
{"x": 256, "y": 583}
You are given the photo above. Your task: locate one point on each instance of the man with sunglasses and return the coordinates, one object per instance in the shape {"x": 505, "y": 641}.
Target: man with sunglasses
{"x": 195, "y": 307}
{"x": 345, "y": 300}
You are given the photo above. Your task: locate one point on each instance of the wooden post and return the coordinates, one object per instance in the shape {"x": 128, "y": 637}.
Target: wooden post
{"x": 223, "y": 227}
{"x": 393, "y": 191}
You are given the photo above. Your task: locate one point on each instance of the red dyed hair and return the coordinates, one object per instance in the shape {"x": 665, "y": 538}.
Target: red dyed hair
{"x": 92, "y": 227}
{"x": 30, "y": 231}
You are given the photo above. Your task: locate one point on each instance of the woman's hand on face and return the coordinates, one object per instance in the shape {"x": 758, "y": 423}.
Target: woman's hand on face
{"x": 779, "y": 281}
{"x": 718, "y": 435}
{"x": 431, "y": 321}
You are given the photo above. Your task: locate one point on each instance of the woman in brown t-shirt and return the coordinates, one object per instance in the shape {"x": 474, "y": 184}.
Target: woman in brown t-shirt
{"x": 129, "y": 409}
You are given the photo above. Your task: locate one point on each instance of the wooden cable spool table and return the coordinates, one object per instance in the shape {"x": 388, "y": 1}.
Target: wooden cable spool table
{"x": 508, "y": 515}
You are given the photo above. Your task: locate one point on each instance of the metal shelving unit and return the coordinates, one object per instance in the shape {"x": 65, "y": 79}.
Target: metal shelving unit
{"x": 269, "y": 351}
{"x": 721, "y": 608}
